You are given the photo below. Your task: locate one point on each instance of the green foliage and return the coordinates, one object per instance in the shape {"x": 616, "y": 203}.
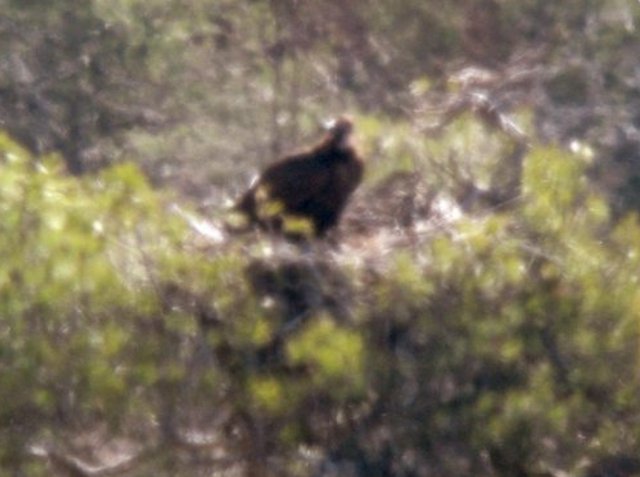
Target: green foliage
{"x": 463, "y": 152}
{"x": 336, "y": 356}
{"x": 268, "y": 393}
{"x": 74, "y": 272}
{"x": 498, "y": 332}
{"x": 501, "y": 340}
{"x": 518, "y": 330}
{"x": 560, "y": 185}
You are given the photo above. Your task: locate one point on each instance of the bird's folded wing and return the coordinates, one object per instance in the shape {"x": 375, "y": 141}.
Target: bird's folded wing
{"x": 295, "y": 181}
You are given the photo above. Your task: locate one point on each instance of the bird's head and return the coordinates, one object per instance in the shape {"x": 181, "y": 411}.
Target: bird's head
{"x": 340, "y": 131}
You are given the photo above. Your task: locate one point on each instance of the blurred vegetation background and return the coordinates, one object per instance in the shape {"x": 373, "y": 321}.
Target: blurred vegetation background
{"x": 480, "y": 316}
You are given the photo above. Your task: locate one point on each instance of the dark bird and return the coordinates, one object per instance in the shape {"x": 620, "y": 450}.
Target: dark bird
{"x": 304, "y": 194}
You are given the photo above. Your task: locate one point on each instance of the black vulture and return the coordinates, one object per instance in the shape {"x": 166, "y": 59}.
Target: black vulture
{"x": 304, "y": 194}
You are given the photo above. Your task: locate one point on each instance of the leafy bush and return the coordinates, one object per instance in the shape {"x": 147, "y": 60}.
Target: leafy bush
{"x": 502, "y": 343}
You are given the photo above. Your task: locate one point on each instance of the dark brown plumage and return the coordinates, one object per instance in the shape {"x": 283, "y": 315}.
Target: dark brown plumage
{"x": 314, "y": 185}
